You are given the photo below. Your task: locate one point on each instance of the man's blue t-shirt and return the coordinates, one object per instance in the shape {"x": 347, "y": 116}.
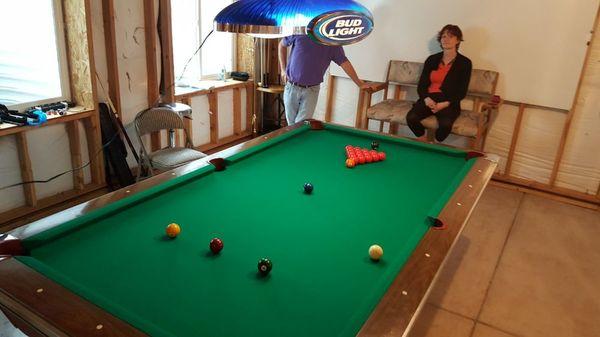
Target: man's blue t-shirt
{"x": 309, "y": 60}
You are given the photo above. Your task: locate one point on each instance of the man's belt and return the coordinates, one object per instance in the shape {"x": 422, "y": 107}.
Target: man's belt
{"x": 302, "y": 85}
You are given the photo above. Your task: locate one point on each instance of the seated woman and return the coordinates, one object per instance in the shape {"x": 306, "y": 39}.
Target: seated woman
{"x": 443, "y": 84}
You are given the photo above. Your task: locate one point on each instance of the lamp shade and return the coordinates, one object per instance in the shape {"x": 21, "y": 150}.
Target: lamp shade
{"x": 287, "y": 17}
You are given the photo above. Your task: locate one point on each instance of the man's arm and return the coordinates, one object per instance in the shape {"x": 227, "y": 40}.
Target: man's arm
{"x": 349, "y": 69}
{"x": 283, "y": 61}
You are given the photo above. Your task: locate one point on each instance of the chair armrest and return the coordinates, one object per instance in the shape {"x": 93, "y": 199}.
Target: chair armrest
{"x": 376, "y": 86}
{"x": 494, "y": 103}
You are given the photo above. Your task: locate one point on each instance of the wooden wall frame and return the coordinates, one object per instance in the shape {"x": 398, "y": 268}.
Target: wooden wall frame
{"x": 166, "y": 42}
{"x": 80, "y": 52}
{"x": 567, "y": 128}
{"x": 506, "y": 176}
{"x": 108, "y": 18}
{"x": 515, "y": 138}
{"x": 213, "y": 100}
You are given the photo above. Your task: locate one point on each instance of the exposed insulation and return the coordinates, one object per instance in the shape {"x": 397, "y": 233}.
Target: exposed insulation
{"x": 85, "y": 156}
{"x": 243, "y": 108}
{"x": 201, "y": 120}
{"x": 580, "y": 165}
{"x": 78, "y": 50}
{"x": 225, "y": 99}
{"x": 500, "y": 135}
{"x": 344, "y": 105}
{"x": 46, "y": 163}
{"x": 538, "y": 143}
{"x": 10, "y": 173}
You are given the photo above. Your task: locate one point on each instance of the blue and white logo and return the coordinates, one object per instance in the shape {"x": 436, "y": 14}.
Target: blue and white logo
{"x": 340, "y": 28}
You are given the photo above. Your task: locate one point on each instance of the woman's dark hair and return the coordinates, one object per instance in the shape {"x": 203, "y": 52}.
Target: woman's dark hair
{"x": 452, "y": 30}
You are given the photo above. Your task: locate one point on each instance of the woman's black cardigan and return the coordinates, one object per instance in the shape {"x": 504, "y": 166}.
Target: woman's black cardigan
{"x": 455, "y": 85}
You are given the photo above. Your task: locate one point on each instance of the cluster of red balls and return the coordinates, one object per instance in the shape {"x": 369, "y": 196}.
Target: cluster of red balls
{"x": 358, "y": 156}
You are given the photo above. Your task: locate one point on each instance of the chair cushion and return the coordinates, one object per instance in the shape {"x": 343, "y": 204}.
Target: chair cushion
{"x": 465, "y": 125}
{"x": 173, "y": 157}
{"x": 395, "y": 111}
{"x": 390, "y": 110}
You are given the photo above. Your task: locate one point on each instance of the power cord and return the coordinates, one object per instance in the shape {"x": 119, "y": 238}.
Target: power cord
{"x": 116, "y": 133}
{"x": 185, "y": 67}
{"x": 66, "y": 172}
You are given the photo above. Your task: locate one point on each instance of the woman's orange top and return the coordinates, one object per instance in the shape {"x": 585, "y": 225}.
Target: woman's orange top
{"x": 437, "y": 77}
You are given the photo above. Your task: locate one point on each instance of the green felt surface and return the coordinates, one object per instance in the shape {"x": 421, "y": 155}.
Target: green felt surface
{"x": 322, "y": 282}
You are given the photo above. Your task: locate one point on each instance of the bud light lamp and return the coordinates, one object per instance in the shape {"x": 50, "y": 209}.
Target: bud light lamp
{"x": 330, "y": 22}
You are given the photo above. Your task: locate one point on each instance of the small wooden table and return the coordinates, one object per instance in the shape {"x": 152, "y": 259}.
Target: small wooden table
{"x": 274, "y": 89}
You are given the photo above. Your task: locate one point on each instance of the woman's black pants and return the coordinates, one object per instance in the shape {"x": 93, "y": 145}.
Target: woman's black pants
{"x": 445, "y": 117}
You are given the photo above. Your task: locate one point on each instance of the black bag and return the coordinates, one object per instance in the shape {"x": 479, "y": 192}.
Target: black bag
{"x": 240, "y": 76}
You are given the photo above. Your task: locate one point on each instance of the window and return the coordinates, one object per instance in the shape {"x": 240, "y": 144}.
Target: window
{"x": 33, "y": 67}
{"x": 192, "y": 20}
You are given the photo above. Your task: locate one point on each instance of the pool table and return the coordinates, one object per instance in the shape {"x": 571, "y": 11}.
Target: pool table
{"x": 106, "y": 267}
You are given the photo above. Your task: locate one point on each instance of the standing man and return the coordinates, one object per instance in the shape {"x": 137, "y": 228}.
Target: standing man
{"x": 304, "y": 72}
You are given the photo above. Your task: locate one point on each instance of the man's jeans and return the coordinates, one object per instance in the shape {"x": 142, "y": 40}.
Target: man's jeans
{"x": 300, "y": 103}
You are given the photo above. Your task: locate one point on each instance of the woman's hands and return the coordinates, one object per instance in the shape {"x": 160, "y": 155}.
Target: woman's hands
{"x": 430, "y": 103}
{"x": 440, "y": 106}
{"x": 435, "y": 107}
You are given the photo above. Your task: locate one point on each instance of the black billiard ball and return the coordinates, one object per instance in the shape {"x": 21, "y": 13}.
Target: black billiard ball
{"x": 264, "y": 266}
{"x": 308, "y": 188}
{"x": 216, "y": 245}
{"x": 374, "y": 145}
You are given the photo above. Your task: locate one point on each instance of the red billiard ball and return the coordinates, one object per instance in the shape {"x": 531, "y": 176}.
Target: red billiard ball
{"x": 216, "y": 245}
{"x": 381, "y": 155}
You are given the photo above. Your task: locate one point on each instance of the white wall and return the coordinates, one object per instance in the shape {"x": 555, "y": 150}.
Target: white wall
{"x": 539, "y": 49}
{"x": 538, "y": 46}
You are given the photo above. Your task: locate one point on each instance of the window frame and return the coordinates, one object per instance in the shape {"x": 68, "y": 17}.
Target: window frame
{"x": 63, "y": 64}
{"x": 202, "y": 35}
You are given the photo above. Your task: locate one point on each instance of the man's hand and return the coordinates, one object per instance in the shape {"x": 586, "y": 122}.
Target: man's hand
{"x": 283, "y": 77}
{"x": 364, "y": 85}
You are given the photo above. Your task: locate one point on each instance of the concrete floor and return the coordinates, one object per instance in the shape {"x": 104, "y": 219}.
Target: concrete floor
{"x": 524, "y": 266}
{"x": 7, "y": 329}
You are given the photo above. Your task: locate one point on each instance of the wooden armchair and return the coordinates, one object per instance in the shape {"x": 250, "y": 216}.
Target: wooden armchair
{"x": 473, "y": 124}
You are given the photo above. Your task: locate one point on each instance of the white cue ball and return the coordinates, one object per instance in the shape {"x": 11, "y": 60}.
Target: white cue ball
{"x": 375, "y": 252}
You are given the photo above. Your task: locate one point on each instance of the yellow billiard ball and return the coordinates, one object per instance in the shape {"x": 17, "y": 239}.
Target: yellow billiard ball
{"x": 173, "y": 230}
{"x": 375, "y": 252}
